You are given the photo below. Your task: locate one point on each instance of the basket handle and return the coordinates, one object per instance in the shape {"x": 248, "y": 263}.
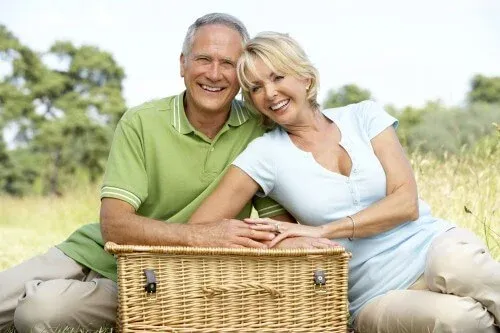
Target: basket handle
{"x": 213, "y": 290}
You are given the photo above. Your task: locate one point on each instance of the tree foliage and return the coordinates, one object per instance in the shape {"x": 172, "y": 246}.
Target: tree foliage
{"x": 485, "y": 89}
{"x": 60, "y": 107}
{"x": 347, "y": 94}
{"x": 452, "y": 129}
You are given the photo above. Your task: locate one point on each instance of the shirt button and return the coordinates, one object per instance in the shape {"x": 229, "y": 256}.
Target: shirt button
{"x": 212, "y": 149}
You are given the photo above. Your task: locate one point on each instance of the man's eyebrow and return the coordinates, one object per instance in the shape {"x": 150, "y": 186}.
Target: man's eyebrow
{"x": 199, "y": 55}
{"x": 229, "y": 60}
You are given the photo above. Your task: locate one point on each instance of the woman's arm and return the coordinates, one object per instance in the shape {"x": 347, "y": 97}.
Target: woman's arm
{"x": 232, "y": 194}
{"x": 400, "y": 205}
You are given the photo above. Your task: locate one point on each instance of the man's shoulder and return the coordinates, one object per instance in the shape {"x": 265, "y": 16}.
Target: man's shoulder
{"x": 150, "y": 107}
{"x": 249, "y": 112}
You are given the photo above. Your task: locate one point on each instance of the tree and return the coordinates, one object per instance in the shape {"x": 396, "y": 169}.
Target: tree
{"x": 63, "y": 116}
{"x": 347, "y": 94}
{"x": 485, "y": 89}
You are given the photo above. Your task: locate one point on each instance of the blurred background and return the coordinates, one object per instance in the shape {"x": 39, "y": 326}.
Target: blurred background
{"x": 69, "y": 69}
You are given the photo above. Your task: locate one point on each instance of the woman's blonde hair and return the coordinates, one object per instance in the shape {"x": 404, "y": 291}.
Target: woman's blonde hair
{"x": 283, "y": 55}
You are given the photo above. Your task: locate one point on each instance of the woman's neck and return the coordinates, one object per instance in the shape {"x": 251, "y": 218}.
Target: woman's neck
{"x": 308, "y": 128}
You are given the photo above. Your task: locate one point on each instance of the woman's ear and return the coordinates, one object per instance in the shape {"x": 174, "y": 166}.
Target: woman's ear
{"x": 308, "y": 84}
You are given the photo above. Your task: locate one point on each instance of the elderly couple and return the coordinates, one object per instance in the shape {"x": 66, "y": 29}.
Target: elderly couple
{"x": 186, "y": 170}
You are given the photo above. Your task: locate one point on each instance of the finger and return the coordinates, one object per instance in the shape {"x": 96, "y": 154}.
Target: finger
{"x": 256, "y": 220}
{"x": 261, "y": 220}
{"x": 326, "y": 241}
{"x": 321, "y": 245}
{"x": 277, "y": 239}
{"x": 258, "y": 235}
{"x": 247, "y": 242}
{"x": 263, "y": 227}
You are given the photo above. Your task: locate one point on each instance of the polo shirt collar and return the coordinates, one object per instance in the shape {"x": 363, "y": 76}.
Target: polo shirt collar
{"x": 237, "y": 116}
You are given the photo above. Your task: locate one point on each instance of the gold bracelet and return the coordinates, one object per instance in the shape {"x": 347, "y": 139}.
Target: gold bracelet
{"x": 353, "y": 227}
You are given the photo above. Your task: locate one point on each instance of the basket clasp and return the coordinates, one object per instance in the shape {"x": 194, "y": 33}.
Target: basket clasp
{"x": 150, "y": 285}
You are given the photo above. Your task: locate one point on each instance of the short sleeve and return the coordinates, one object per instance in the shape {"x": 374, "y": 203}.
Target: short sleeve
{"x": 267, "y": 207}
{"x": 256, "y": 161}
{"x": 375, "y": 119}
{"x": 125, "y": 177}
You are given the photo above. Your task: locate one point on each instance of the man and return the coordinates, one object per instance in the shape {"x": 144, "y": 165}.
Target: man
{"x": 166, "y": 157}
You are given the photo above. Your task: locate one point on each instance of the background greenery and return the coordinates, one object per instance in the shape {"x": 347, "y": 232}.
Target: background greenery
{"x": 59, "y": 108}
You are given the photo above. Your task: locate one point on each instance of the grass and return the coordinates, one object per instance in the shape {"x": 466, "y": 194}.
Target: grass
{"x": 30, "y": 225}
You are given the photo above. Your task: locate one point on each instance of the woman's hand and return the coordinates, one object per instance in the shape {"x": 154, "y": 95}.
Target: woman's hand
{"x": 283, "y": 229}
{"x": 305, "y": 243}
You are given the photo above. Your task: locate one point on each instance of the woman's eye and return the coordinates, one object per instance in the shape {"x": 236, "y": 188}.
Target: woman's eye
{"x": 255, "y": 89}
{"x": 279, "y": 77}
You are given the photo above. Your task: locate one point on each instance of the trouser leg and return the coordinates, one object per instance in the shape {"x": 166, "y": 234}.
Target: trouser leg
{"x": 57, "y": 304}
{"x": 53, "y": 290}
{"x": 423, "y": 311}
{"x": 459, "y": 263}
{"x": 462, "y": 282}
{"x": 51, "y": 265}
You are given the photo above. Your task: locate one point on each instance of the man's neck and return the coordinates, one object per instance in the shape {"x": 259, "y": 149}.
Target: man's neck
{"x": 207, "y": 123}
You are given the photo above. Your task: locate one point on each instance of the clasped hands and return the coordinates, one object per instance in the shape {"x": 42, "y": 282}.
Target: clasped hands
{"x": 257, "y": 233}
{"x": 284, "y": 230}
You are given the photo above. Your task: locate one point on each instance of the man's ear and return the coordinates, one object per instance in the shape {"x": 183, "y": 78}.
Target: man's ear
{"x": 182, "y": 64}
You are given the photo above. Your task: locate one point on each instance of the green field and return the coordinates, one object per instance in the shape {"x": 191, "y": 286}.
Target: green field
{"x": 30, "y": 225}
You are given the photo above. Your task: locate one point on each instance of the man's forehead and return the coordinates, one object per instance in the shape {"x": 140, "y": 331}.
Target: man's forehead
{"x": 219, "y": 32}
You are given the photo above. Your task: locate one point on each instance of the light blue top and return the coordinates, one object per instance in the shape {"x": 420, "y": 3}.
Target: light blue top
{"x": 316, "y": 196}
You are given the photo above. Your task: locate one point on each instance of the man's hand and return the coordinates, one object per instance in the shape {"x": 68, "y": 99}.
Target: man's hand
{"x": 305, "y": 243}
{"x": 228, "y": 233}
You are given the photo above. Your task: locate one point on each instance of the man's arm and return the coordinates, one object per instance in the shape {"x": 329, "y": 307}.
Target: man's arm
{"x": 120, "y": 224}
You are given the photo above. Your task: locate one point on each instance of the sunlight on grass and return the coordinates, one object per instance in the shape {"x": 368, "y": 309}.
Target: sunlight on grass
{"x": 31, "y": 225}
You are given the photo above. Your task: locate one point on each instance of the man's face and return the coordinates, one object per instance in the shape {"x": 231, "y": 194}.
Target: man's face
{"x": 209, "y": 71}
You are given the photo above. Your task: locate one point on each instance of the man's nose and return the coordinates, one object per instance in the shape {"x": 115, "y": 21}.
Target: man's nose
{"x": 214, "y": 73}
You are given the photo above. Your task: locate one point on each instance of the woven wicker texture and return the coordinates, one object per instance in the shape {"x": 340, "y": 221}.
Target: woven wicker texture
{"x": 231, "y": 290}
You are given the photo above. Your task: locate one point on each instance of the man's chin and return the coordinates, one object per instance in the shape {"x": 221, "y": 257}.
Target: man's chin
{"x": 218, "y": 104}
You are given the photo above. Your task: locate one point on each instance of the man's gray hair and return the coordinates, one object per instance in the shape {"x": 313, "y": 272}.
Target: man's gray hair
{"x": 213, "y": 18}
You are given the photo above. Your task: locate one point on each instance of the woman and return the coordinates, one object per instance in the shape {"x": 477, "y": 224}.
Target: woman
{"x": 343, "y": 175}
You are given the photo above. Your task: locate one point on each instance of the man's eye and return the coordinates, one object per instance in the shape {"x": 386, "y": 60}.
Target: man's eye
{"x": 228, "y": 64}
{"x": 254, "y": 89}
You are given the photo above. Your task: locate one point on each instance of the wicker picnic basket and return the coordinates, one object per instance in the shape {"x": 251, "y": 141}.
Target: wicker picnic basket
{"x": 186, "y": 289}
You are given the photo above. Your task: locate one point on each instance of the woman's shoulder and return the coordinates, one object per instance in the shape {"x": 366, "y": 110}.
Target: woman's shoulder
{"x": 351, "y": 110}
{"x": 273, "y": 137}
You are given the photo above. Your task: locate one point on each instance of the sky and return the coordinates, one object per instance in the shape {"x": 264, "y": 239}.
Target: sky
{"x": 404, "y": 52}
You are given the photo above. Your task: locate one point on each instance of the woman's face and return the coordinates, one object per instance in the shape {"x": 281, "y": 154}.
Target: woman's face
{"x": 280, "y": 97}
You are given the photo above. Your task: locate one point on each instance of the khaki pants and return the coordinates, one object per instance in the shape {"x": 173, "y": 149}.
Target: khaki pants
{"x": 458, "y": 292}
{"x": 52, "y": 291}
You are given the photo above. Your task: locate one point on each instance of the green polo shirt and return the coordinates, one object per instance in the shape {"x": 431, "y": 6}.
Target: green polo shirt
{"x": 165, "y": 168}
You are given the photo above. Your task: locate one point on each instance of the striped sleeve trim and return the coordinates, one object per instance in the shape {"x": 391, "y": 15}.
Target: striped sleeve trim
{"x": 118, "y": 193}
{"x": 271, "y": 211}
